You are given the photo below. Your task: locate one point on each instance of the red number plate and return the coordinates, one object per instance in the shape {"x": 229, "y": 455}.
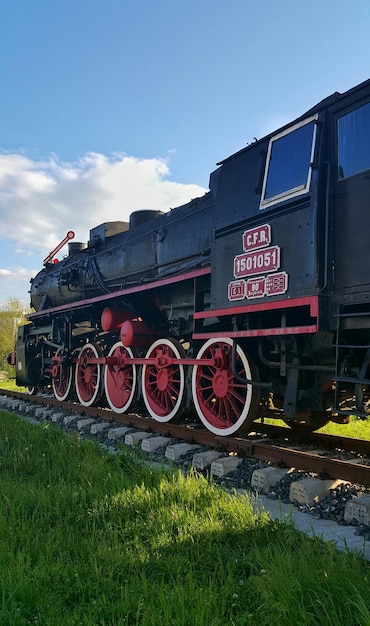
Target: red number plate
{"x": 257, "y": 262}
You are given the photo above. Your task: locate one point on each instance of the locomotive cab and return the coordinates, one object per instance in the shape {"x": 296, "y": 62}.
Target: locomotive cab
{"x": 287, "y": 208}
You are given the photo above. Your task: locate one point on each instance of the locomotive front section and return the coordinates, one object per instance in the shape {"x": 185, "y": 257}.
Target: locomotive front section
{"x": 124, "y": 300}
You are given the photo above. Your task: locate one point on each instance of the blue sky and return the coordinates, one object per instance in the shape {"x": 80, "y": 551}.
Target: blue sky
{"x": 109, "y": 106}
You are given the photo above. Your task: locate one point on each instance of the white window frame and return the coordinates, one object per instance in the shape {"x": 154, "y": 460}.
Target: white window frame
{"x": 296, "y": 191}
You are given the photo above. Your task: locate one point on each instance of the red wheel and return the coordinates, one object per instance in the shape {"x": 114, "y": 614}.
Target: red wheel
{"x": 120, "y": 379}
{"x": 163, "y": 385}
{"x": 62, "y": 382}
{"x": 224, "y": 405}
{"x": 88, "y": 375}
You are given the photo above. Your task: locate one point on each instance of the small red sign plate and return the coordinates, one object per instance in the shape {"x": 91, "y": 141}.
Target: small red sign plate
{"x": 276, "y": 284}
{"x": 237, "y": 290}
{"x": 256, "y": 287}
{"x": 259, "y": 237}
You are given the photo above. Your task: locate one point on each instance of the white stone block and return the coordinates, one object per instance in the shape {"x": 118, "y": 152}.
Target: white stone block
{"x": 55, "y": 417}
{"x": 309, "y": 490}
{"x": 132, "y": 439}
{"x": 153, "y": 443}
{"x": 358, "y": 509}
{"x": 202, "y": 460}
{"x": 68, "y": 419}
{"x": 175, "y": 452}
{"x": 15, "y": 405}
{"x": 225, "y": 465}
{"x": 39, "y": 411}
{"x": 98, "y": 428}
{"x": 43, "y": 413}
{"x": 267, "y": 477}
{"x": 85, "y": 422}
{"x": 116, "y": 433}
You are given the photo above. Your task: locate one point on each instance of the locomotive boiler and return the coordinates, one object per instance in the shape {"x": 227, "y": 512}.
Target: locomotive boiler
{"x": 251, "y": 300}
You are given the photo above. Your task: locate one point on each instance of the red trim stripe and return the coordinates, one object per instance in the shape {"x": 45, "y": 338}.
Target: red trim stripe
{"x": 311, "y": 301}
{"x": 261, "y": 332}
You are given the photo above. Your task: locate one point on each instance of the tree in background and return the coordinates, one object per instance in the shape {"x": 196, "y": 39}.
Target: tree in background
{"x": 12, "y": 314}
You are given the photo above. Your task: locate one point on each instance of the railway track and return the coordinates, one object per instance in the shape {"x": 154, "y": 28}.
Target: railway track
{"x": 287, "y": 451}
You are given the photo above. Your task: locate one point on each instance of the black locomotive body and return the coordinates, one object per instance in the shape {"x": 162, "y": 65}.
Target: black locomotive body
{"x": 253, "y": 299}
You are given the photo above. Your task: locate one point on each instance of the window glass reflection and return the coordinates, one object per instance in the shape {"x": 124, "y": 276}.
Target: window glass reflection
{"x": 290, "y": 161}
{"x": 354, "y": 142}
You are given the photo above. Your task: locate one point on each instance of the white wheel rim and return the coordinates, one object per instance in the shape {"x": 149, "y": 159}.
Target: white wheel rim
{"x": 150, "y": 401}
{"x": 111, "y": 401}
{"x": 91, "y": 400}
{"x": 237, "y": 425}
{"x": 61, "y": 398}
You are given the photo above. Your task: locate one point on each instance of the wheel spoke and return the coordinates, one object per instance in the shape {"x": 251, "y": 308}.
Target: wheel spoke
{"x": 209, "y": 377}
{"x": 234, "y": 405}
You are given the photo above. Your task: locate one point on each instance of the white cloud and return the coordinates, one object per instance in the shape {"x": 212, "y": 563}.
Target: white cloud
{"x": 41, "y": 200}
{"x": 17, "y": 273}
{"x": 15, "y": 283}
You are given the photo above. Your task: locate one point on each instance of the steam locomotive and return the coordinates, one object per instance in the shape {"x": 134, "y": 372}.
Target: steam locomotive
{"x": 251, "y": 300}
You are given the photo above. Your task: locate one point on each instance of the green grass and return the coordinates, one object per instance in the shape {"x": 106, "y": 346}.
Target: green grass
{"x": 10, "y": 384}
{"x": 357, "y": 428}
{"x": 87, "y": 538}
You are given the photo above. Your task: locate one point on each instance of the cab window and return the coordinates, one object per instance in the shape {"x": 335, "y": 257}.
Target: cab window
{"x": 288, "y": 163}
{"x": 354, "y": 142}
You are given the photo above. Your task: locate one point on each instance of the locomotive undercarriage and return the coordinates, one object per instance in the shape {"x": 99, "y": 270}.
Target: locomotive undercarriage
{"x": 229, "y": 382}
{"x": 352, "y": 376}
{"x": 234, "y": 371}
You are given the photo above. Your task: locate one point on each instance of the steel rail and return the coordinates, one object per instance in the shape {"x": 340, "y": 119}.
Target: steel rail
{"x": 283, "y": 456}
{"x": 351, "y": 444}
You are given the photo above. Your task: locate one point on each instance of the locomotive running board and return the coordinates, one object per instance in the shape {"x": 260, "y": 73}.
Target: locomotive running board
{"x": 153, "y": 284}
{"x": 311, "y": 317}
